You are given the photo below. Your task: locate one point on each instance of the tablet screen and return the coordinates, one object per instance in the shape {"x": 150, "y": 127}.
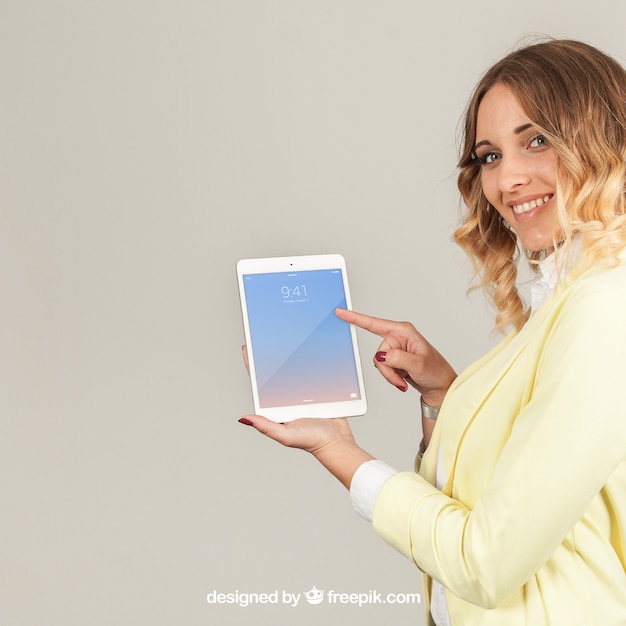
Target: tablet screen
{"x": 303, "y": 353}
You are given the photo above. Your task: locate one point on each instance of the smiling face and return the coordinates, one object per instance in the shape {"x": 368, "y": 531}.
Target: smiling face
{"x": 518, "y": 168}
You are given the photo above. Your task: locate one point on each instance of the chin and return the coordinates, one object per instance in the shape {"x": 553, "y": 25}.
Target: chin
{"x": 539, "y": 244}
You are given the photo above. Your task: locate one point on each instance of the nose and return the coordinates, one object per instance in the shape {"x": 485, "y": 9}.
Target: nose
{"x": 513, "y": 172}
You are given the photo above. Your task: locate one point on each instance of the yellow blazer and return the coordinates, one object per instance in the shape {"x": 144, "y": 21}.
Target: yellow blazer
{"x": 530, "y": 528}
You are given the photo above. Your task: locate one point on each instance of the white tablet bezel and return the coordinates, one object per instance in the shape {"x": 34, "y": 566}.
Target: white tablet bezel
{"x": 349, "y": 408}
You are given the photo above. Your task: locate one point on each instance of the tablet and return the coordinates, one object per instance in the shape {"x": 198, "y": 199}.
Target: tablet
{"x": 303, "y": 360}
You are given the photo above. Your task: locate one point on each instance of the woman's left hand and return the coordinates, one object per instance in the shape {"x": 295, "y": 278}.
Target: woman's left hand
{"x": 310, "y": 434}
{"x": 330, "y": 440}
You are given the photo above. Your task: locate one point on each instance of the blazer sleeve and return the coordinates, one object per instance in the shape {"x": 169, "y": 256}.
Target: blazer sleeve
{"x": 564, "y": 445}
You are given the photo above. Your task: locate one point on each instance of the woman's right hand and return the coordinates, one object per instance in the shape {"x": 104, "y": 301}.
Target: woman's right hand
{"x": 404, "y": 356}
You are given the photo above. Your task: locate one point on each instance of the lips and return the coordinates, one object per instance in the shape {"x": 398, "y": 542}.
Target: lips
{"x": 524, "y": 207}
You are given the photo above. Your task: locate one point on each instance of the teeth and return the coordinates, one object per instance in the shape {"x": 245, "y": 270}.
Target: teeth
{"x": 533, "y": 204}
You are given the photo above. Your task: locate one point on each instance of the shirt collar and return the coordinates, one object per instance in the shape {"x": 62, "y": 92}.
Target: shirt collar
{"x": 548, "y": 275}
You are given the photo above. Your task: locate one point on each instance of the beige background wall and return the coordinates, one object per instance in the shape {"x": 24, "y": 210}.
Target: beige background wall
{"x": 145, "y": 146}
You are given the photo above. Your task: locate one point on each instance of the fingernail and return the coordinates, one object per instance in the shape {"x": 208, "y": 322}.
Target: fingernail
{"x": 401, "y": 388}
{"x": 380, "y": 356}
{"x": 246, "y": 421}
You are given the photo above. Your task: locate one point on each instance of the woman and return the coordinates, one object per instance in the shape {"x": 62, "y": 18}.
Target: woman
{"x": 517, "y": 511}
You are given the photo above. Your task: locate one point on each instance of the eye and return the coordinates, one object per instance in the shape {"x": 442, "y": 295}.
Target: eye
{"x": 488, "y": 158}
{"x": 538, "y": 141}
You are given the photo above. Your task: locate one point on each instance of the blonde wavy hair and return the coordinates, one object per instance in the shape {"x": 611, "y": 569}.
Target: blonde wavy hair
{"x": 576, "y": 97}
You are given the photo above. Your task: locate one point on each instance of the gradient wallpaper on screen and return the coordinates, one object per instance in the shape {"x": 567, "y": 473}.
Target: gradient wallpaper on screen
{"x": 302, "y": 350}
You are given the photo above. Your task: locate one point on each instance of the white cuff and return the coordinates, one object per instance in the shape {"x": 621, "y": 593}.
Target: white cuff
{"x": 367, "y": 482}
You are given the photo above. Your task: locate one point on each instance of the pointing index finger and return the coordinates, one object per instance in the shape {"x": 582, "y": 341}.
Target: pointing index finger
{"x": 376, "y": 325}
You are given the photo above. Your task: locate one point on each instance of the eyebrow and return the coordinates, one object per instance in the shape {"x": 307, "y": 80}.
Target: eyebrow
{"x": 518, "y": 131}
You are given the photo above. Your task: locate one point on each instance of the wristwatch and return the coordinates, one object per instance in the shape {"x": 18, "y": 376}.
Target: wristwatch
{"x": 429, "y": 412}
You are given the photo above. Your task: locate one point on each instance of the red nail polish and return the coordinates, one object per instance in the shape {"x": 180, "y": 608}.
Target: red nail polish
{"x": 246, "y": 421}
{"x": 380, "y": 356}
{"x": 401, "y": 388}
